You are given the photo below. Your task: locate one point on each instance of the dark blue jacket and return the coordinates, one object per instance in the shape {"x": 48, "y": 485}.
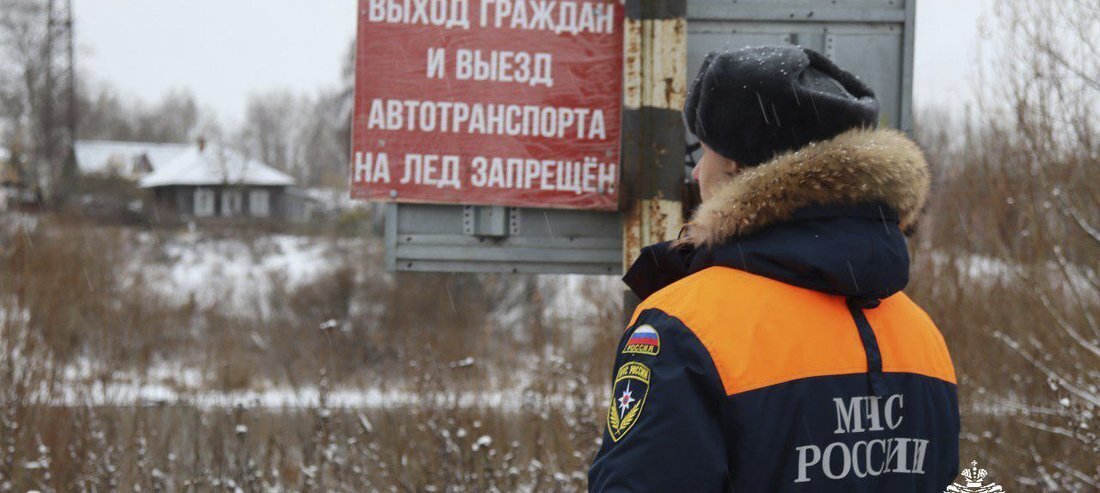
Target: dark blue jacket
{"x": 774, "y": 351}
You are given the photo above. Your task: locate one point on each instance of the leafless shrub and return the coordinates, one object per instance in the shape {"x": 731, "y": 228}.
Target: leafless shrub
{"x": 1009, "y": 257}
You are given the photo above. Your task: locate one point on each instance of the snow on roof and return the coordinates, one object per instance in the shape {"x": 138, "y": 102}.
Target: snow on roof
{"x": 214, "y": 165}
{"x": 335, "y": 199}
{"x": 122, "y": 158}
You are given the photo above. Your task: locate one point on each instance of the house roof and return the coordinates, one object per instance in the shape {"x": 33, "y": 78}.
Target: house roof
{"x": 119, "y": 158}
{"x": 214, "y": 165}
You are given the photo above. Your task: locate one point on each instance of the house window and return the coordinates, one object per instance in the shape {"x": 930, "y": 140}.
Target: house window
{"x": 259, "y": 203}
{"x": 204, "y": 202}
{"x": 231, "y": 202}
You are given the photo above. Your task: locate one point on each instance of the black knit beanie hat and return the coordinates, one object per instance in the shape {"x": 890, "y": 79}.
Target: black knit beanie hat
{"x": 754, "y": 103}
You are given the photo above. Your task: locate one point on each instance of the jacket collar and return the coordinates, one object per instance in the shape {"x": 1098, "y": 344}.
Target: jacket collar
{"x": 827, "y": 217}
{"x": 855, "y": 167}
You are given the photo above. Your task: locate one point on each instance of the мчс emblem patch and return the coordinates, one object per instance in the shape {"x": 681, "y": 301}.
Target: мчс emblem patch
{"x": 644, "y": 340}
{"x": 628, "y": 396}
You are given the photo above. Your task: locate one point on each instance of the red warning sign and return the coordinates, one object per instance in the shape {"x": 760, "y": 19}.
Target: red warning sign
{"x": 489, "y": 102}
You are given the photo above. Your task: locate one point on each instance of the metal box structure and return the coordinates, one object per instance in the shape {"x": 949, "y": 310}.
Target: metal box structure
{"x": 871, "y": 38}
{"x": 447, "y": 238}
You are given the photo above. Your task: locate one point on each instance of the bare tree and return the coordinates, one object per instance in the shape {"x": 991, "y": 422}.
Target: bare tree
{"x": 327, "y": 135}
{"x": 306, "y": 136}
{"x": 31, "y": 51}
{"x": 105, "y": 115}
{"x": 1051, "y": 94}
{"x": 272, "y": 129}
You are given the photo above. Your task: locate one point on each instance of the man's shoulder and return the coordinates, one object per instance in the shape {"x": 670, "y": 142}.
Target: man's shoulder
{"x": 716, "y": 291}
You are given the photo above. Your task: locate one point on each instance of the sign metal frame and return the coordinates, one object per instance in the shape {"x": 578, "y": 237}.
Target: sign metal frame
{"x": 463, "y": 238}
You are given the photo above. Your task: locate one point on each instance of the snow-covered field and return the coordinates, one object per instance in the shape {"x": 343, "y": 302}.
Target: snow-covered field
{"x": 240, "y": 276}
{"x": 244, "y": 276}
{"x": 987, "y": 270}
{"x": 234, "y": 274}
{"x": 173, "y": 384}
{"x": 127, "y": 394}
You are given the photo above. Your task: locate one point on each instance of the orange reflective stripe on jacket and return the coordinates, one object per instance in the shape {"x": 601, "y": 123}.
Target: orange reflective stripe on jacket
{"x": 761, "y": 332}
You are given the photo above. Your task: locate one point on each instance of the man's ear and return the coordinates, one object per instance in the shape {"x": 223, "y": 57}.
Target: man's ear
{"x": 732, "y": 168}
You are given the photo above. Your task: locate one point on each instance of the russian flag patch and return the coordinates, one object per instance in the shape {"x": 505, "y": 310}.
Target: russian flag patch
{"x": 644, "y": 340}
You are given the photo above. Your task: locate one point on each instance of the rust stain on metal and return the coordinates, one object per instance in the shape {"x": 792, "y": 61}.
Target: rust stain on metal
{"x": 647, "y": 222}
{"x": 632, "y": 234}
{"x": 632, "y": 63}
{"x": 658, "y": 221}
{"x": 675, "y": 83}
{"x": 665, "y": 63}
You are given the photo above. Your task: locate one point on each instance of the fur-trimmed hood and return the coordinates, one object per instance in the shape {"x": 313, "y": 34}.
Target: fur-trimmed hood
{"x": 858, "y": 166}
{"x": 828, "y": 217}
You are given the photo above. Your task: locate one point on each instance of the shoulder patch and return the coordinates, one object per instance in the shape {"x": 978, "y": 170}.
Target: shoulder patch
{"x": 644, "y": 340}
{"x": 628, "y": 396}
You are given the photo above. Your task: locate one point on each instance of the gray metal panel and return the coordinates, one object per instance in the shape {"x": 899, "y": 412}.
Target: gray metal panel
{"x": 800, "y": 10}
{"x": 908, "y": 41}
{"x": 876, "y": 58}
{"x": 871, "y": 38}
{"x": 437, "y": 238}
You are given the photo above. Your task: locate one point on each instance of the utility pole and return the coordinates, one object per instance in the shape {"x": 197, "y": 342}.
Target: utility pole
{"x": 46, "y": 139}
{"x": 68, "y": 170}
{"x": 653, "y": 129}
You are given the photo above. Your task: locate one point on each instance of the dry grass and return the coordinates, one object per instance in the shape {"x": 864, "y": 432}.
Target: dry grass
{"x": 179, "y": 448}
{"x": 69, "y": 301}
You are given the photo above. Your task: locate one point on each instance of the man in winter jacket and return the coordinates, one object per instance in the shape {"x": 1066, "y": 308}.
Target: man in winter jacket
{"x": 773, "y": 349}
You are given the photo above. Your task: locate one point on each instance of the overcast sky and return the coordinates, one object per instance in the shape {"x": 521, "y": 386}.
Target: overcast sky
{"x": 223, "y": 50}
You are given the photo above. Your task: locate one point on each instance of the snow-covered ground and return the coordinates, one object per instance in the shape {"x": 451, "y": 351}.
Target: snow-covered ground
{"x": 988, "y": 270}
{"x": 172, "y": 384}
{"x": 152, "y": 394}
{"x": 17, "y": 223}
{"x": 235, "y": 274}
{"x": 241, "y": 275}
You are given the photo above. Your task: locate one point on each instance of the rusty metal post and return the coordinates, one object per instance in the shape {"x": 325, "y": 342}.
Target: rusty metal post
{"x": 653, "y": 131}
